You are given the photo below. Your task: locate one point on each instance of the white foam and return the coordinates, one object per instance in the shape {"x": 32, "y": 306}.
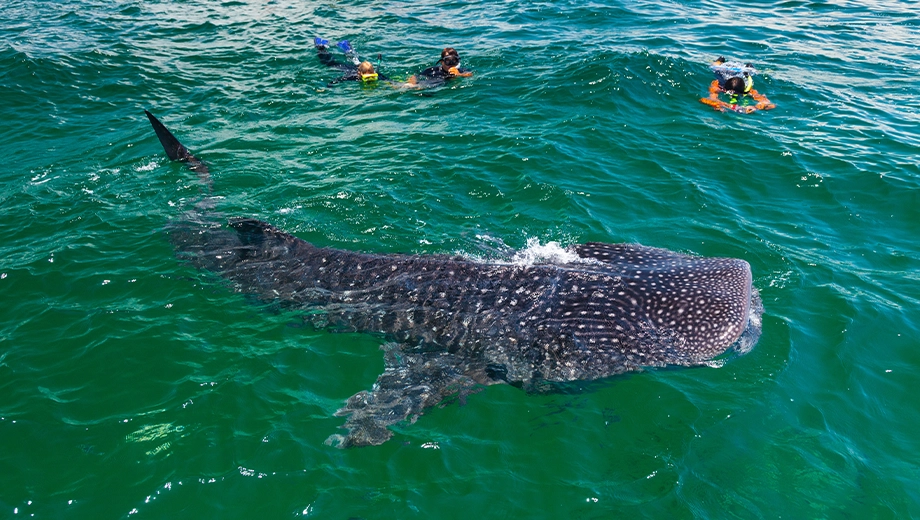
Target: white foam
{"x": 549, "y": 253}
{"x": 533, "y": 253}
{"x": 146, "y": 167}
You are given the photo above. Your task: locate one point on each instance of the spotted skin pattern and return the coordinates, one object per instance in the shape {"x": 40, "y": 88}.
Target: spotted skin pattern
{"x": 452, "y": 325}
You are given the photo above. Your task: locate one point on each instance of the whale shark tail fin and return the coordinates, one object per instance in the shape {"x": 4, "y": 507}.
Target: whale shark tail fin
{"x": 176, "y": 151}
{"x": 173, "y": 147}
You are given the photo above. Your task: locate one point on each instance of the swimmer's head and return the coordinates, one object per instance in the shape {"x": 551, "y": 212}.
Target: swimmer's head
{"x": 734, "y": 85}
{"x": 366, "y": 72}
{"x": 450, "y": 59}
{"x": 365, "y": 67}
{"x": 450, "y": 63}
{"x": 720, "y": 60}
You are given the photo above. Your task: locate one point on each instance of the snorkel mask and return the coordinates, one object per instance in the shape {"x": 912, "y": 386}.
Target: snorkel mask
{"x": 366, "y": 78}
{"x": 452, "y": 62}
{"x": 748, "y": 82}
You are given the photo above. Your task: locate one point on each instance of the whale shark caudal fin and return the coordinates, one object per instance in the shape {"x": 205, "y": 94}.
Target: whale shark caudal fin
{"x": 175, "y": 150}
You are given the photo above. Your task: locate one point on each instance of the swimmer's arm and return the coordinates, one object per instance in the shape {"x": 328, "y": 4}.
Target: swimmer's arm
{"x": 714, "y": 89}
{"x": 351, "y": 76}
{"x": 713, "y": 99}
{"x": 762, "y": 102}
{"x": 455, "y": 72}
{"x": 412, "y": 82}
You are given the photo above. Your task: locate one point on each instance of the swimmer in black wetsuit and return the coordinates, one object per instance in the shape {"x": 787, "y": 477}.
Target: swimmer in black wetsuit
{"x": 449, "y": 67}
{"x": 356, "y": 71}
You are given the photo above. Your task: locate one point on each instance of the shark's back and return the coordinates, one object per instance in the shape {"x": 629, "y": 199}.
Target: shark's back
{"x": 620, "y": 307}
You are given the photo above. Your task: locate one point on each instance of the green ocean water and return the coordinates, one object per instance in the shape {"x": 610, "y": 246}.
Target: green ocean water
{"x": 132, "y": 386}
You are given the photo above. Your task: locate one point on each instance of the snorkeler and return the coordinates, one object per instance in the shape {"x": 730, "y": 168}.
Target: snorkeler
{"x": 448, "y": 67}
{"x": 357, "y": 70}
{"x": 737, "y": 82}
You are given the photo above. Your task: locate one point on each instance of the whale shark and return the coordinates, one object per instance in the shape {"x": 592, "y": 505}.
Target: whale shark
{"x": 451, "y": 325}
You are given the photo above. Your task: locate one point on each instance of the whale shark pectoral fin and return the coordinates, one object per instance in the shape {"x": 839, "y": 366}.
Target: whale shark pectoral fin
{"x": 410, "y": 383}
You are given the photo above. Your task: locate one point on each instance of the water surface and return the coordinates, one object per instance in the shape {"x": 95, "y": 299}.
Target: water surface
{"x": 133, "y": 386}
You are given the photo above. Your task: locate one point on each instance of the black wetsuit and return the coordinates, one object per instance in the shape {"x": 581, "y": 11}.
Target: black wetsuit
{"x": 437, "y": 72}
{"x": 350, "y": 70}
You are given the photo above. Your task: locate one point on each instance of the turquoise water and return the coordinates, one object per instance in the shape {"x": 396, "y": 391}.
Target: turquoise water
{"x": 133, "y": 386}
